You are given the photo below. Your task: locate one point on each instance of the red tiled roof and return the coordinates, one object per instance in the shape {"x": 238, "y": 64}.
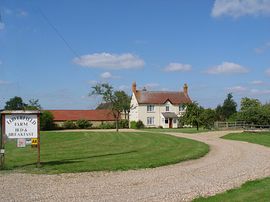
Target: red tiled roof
{"x": 90, "y": 115}
{"x": 160, "y": 97}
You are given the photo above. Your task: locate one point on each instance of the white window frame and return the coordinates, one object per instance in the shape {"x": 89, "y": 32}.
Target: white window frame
{"x": 150, "y": 108}
{"x": 181, "y": 108}
{"x": 167, "y": 107}
{"x": 151, "y": 120}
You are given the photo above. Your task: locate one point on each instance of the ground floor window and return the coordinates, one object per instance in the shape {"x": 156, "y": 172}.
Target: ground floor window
{"x": 150, "y": 120}
{"x": 166, "y": 121}
{"x": 174, "y": 120}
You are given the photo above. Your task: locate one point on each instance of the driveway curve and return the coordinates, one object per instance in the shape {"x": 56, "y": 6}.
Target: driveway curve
{"x": 228, "y": 164}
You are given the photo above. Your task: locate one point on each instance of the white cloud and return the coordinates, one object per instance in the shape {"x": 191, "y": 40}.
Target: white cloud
{"x": 257, "y": 82}
{"x": 92, "y": 82}
{"x": 237, "y": 89}
{"x": 237, "y": 8}
{"x": 178, "y": 67}
{"x": 259, "y": 92}
{"x": 267, "y": 72}
{"x": 110, "y": 61}
{"x": 2, "y": 82}
{"x": 227, "y": 68}
{"x": 2, "y": 26}
{"x": 108, "y": 75}
{"x": 22, "y": 13}
{"x": 263, "y": 48}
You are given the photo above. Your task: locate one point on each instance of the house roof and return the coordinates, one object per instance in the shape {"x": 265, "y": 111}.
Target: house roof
{"x": 90, "y": 115}
{"x": 161, "y": 97}
{"x": 169, "y": 115}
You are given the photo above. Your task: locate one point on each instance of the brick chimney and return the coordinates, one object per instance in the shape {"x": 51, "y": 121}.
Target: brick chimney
{"x": 185, "y": 88}
{"x": 134, "y": 87}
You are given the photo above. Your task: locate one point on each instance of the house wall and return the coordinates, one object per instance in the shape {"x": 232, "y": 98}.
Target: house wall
{"x": 139, "y": 112}
{"x": 134, "y": 111}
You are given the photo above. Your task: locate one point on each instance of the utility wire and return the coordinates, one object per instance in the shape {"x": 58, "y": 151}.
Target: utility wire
{"x": 58, "y": 33}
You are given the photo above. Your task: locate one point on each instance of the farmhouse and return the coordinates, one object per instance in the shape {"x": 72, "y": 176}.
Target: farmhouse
{"x": 158, "y": 108}
{"x": 95, "y": 116}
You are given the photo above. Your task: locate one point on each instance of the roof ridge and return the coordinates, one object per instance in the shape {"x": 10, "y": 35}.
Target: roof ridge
{"x": 160, "y": 91}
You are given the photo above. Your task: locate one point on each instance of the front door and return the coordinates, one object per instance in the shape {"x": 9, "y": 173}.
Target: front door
{"x": 170, "y": 123}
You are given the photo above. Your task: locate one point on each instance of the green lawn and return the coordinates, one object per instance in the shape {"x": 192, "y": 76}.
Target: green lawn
{"x": 257, "y": 190}
{"x": 177, "y": 130}
{"x": 95, "y": 151}
{"x": 262, "y": 138}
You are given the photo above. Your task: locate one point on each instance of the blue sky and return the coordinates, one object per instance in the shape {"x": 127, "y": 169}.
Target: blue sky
{"x": 55, "y": 52}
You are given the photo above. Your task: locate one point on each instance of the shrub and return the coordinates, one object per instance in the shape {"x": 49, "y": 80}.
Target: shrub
{"x": 46, "y": 121}
{"x": 83, "y": 124}
{"x": 123, "y": 123}
{"x": 69, "y": 125}
{"x": 139, "y": 124}
{"x": 107, "y": 125}
{"x": 133, "y": 124}
{"x": 160, "y": 126}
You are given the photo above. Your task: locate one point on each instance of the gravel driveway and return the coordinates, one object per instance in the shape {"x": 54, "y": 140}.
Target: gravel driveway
{"x": 229, "y": 164}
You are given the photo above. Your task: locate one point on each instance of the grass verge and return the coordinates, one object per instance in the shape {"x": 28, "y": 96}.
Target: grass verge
{"x": 257, "y": 190}
{"x": 99, "y": 151}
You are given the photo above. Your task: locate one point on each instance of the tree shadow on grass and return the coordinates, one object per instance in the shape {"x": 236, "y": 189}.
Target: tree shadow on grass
{"x": 71, "y": 161}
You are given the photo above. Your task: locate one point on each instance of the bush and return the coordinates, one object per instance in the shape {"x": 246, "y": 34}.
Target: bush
{"x": 69, "y": 125}
{"x": 83, "y": 124}
{"x": 123, "y": 123}
{"x": 46, "y": 121}
{"x": 133, "y": 124}
{"x": 139, "y": 124}
{"x": 136, "y": 125}
{"x": 107, "y": 125}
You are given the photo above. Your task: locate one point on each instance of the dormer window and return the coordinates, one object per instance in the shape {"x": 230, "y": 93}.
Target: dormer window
{"x": 150, "y": 108}
{"x": 167, "y": 108}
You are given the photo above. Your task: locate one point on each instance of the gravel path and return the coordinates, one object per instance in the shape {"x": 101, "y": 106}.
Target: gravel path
{"x": 229, "y": 164}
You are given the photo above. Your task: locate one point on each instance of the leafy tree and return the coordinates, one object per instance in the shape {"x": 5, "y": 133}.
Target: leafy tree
{"x": 15, "y": 103}
{"x": 192, "y": 115}
{"x": 252, "y": 111}
{"x": 33, "y": 105}
{"x": 208, "y": 118}
{"x": 46, "y": 121}
{"x": 118, "y": 99}
{"x": 227, "y": 109}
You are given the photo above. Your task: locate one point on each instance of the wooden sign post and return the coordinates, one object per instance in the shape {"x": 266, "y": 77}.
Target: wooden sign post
{"x": 20, "y": 125}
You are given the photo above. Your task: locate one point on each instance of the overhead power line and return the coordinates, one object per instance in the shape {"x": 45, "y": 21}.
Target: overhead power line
{"x": 58, "y": 33}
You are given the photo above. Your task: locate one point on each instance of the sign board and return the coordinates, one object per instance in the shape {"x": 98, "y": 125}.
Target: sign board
{"x": 21, "y": 142}
{"x": 28, "y": 141}
{"x": 21, "y": 125}
{"x": 34, "y": 141}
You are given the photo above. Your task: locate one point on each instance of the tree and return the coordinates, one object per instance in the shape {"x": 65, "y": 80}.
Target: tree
{"x": 118, "y": 99}
{"x": 192, "y": 115}
{"x": 252, "y": 111}
{"x": 15, "y": 103}
{"x": 227, "y": 109}
{"x": 208, "y": 118}
{"x": 33, "y": 105}
{"x": 46, "y": 121}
